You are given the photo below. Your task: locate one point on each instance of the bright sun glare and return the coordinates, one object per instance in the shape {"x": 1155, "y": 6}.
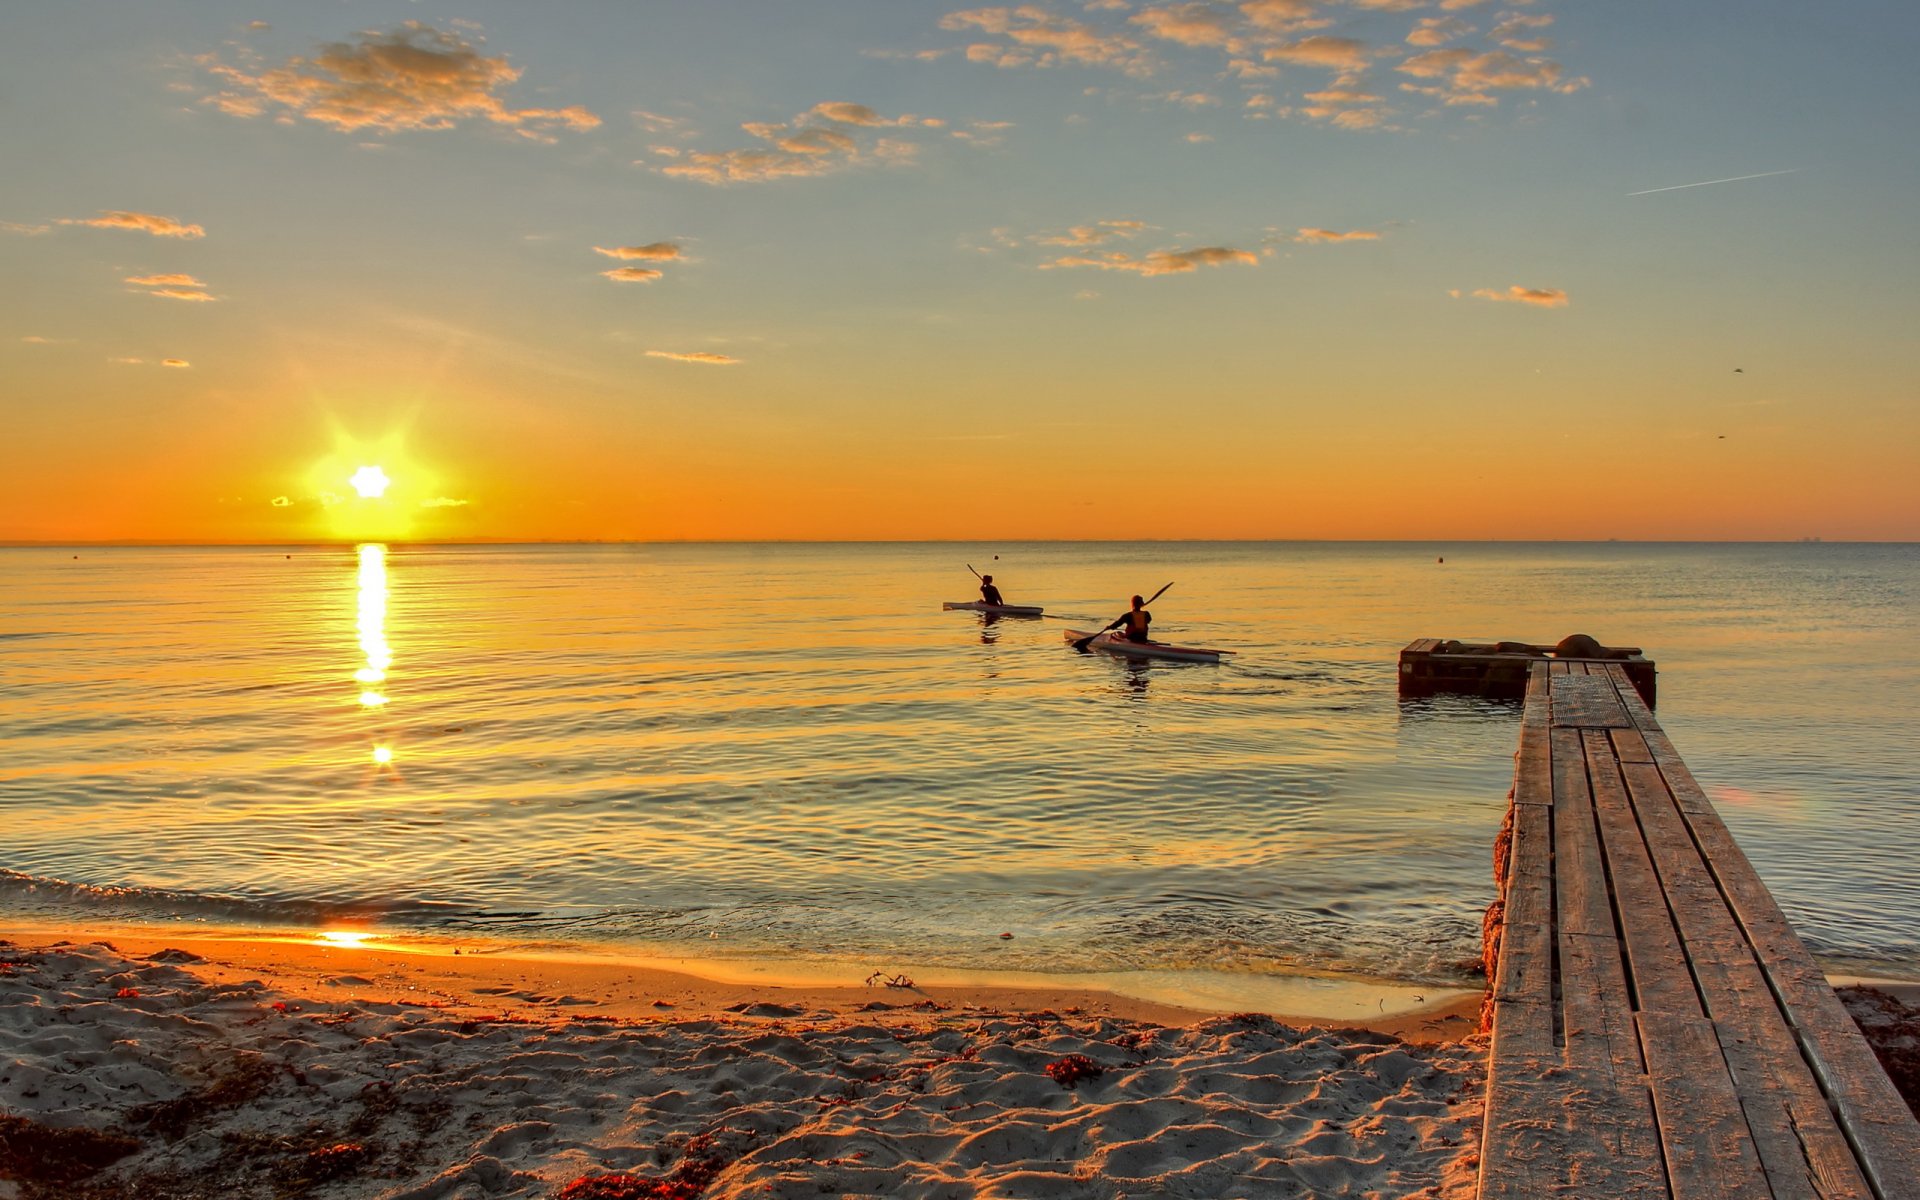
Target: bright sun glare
{"x": 370, "y": 482}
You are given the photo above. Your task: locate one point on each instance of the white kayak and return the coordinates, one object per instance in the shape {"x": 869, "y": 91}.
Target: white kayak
{"x": 1000, "y": 610}
{"x": 1114, "y": 642}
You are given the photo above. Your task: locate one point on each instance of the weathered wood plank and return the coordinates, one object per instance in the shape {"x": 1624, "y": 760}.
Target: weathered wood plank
{"x": 1703, "y": 1131}
{"x": 1552, "y": 1130}
{"x": 1630, "y": 745}
{"x": 1579, "y": 873}
{"x": 1539, "y": 707}
{"x": 1657, "y": 968}
{"x": 1587, "y": 702}
{"x": 1526, "y": 939}
{"x": 1804, "y": 1153}
{"x": 1421, "y": 646}
{"x": 1533, "y": 767}
{"x": 1597, "y": 1011}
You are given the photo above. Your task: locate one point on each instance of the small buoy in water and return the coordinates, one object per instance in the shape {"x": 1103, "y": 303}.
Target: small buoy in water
{"x": 1006, "y": 937}
{"x": 1442, "y": 558}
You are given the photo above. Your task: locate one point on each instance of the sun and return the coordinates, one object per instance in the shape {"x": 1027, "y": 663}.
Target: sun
{"x": 370, "y": 482}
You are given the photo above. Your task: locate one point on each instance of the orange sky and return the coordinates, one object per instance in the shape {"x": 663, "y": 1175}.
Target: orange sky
{"x": 1377, "y": 271}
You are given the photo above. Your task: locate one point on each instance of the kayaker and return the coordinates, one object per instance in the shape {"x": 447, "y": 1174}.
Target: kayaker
{"x": 1136, "y": 620}
{"x": 989, "y": 593}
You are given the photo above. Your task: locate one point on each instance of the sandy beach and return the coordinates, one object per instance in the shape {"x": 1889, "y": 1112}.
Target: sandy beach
{"x": 187, "y": 1067}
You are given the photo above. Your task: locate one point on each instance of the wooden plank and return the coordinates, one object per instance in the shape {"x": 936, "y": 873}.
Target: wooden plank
{"x": 1801, "y": 1148}
{"x": 1532, "y": 762}
{"x": 1551, "y": 1131}
{"x": 1579, "y": 873}
{"x": 1586, "y": 702}
{"x": 1421, "y": 646}
{"x": 1657, "y": 970}
{"x": 1597, "y": 1011}
{"x": 1526, "y": 939}
{"x": 1885, "y": 1136}
{"x": 1630, "y": 745}
{"x": 1703, "y": 1131}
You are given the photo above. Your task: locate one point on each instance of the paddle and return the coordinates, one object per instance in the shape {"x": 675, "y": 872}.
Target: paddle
{"x": 976, "y": 574}
{"x": 1082, "y": 643}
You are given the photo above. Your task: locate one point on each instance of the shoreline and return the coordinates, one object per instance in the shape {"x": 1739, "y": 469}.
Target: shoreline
{"x": 486, "y": 975}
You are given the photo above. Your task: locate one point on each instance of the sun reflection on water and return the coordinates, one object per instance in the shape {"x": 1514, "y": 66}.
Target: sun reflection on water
{"x": 372, "y": 628}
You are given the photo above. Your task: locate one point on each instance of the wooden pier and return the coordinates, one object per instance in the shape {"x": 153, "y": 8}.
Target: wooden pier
{"x": 1658, "y": 1028}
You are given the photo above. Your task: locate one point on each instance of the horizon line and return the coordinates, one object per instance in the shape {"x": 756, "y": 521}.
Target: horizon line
{"x": 330, "y": 543}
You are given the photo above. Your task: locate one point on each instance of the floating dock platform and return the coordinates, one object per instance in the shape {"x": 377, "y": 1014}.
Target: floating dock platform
{"x": 1501, "y": 669}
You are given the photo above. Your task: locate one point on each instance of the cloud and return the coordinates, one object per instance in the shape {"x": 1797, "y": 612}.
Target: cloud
{"x": 1092, "y": 235}
{"x": 847, "y": 113}
{"x": 1472, "y": 74}
{"x": 34, "y": 339}
{"x": 191, "y": 294}
{"x": 1538, "y": 297}
{"x": 695, "y": 356}
{"x": 125, "y": 361}
{"x": 1520, "y": 31}
{"x": 23, "y": 230}
{"x": 165, "y": 281}
{"x": 1328, "y": 235}
{"x": 1160, "y": 262}
{"x": 632, "y": 274}
{"x": 1334, "y": 53}
{"x": 652, "y": 250}
{"x": 147, "y": 222}
{"x": 175, "y": 362}
{"x": 1283, "y": 16}
{"x": 444, "y": 502}
{"x": 1437, "y": 31}
{"x": 1256, "y": 40}
{"x": 281, "y": 502}
{"x": 1037, "y": 38}
{"x": 1191, "y": 24}
{"x": 414, "y": 77}
{"x": 797, "y": 149}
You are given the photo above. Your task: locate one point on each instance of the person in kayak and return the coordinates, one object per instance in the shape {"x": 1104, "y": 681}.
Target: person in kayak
{"x": 1136, "y": 620}
{"x": 989, "y": 593}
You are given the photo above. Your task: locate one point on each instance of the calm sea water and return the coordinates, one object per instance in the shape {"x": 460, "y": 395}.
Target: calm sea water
{"x": 791, "y": 751}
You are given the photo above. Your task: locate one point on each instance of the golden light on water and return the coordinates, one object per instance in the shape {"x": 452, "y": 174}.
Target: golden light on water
{"x": 372, "y": 623}
{"x": 383, "y": 755}
{"x": 349, "y": 938}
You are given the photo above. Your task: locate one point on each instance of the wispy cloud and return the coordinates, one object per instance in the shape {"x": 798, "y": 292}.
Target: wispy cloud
{"x": 34, "y": 339}
{"x": 694, "y": 356}
{"x": 633, "y": 274}
{"x": 189, "y": 294}
{"x": 175, "y": 362}
{"x": 158, "y": 226}
{"x": 1538, "y": 297}
{"x": 658, "y": 251}
{"x": 1329, "y": 235}
{"x": 24, "y": 230}
{"x": 1159, "y": 262}
{"x": 444, "y": 502}
{"x": 1091, "y": 235}
{"x": 165, "y": 281}
{"x": 830, "y": 136}
{"x": 414, "y": 77}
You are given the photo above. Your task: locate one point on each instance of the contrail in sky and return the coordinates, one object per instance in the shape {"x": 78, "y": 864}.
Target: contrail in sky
{"x": 1705, "y": 182}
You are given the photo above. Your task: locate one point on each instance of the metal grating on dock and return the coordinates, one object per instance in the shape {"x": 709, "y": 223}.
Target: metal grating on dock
{"x": 1658, "y": 1028}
